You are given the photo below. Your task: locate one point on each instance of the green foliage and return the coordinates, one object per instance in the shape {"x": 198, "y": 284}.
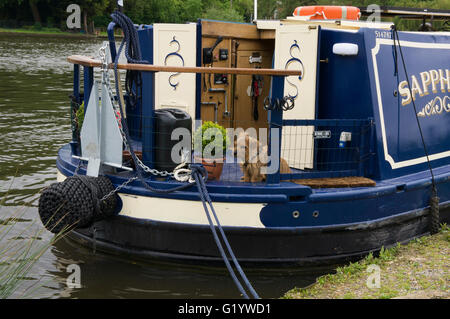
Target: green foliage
{"x": 53, "y": 12}
{"x": 37, "y": 26}
{"x": 223, "y": 14}
{"x": 212, "y": 136}
{"x": 80, "y": 116}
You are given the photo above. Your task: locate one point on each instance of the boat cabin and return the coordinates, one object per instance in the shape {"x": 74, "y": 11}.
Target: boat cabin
{"x": 347, "y": 112}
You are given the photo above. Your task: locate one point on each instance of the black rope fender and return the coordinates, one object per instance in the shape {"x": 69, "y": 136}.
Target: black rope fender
{"x": 76, "y": 202}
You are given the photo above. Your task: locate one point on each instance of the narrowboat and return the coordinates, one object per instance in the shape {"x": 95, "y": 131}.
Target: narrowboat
{"x": 357, "y": 110}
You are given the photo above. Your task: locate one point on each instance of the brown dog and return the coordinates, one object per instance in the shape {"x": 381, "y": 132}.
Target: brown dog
{"x": 250, "y": 151}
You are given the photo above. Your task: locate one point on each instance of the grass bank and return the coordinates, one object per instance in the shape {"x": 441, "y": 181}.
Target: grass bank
{"x": 420, "y": 269}
{"x": 52, "y": 32}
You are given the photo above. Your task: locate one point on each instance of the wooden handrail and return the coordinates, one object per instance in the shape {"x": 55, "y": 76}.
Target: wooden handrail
{"x": 89, "y": 62}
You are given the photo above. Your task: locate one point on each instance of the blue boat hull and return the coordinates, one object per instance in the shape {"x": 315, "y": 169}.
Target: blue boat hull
{"x": 349, "y": 224}
{"x": 274, "y": 247}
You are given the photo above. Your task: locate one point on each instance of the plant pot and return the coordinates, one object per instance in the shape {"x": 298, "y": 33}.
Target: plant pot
{"x": 126, "y": 157}
{"x": 213, "y": 166}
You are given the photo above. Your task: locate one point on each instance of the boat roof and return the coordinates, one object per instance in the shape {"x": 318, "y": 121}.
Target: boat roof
{"x": 339, "y": 24}
{"x": 408, "y": 13}
{"x": 384, "y": 11}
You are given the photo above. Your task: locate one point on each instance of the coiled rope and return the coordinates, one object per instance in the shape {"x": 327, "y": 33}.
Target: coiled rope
{"x": 76, "y": 202}
{"x": 134, "y": 55}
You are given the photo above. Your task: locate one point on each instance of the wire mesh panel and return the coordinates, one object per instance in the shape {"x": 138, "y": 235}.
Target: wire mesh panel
{"x": 340, "y": 147}
{"x": 298, "y": 146}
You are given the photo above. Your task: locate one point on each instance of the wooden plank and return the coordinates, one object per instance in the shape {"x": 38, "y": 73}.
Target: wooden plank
{"x": 339, "y": 182}
{"x": 231, "y": 30}
{"x": 267, "y": 34}
{"x": 86, "y": 61}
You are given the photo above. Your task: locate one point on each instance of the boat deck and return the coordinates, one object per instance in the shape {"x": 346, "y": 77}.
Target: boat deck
{"x": 231, "y": 189}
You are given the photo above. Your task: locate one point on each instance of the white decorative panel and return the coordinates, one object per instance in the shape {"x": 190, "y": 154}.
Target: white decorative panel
{"x": 296, "y": 49}
{"x": 175, "y": 45}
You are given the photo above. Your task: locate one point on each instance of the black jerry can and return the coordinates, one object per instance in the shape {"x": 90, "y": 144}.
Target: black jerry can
{"x": 167, "y": 121}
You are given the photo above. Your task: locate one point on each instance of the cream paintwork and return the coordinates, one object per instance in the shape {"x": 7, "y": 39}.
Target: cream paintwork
{"x": 297, "y": 142}
{"x": 184, "y": 95}
{"x": 190, "y": 212}
{"x": 387, "y": 156}
{"x": 185, "y": 211}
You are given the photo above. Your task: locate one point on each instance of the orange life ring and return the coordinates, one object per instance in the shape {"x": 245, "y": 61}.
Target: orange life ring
{"x": 328, "y": 12}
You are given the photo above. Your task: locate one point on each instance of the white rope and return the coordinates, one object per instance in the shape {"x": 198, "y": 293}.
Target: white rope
{"x": 182, "y": 174}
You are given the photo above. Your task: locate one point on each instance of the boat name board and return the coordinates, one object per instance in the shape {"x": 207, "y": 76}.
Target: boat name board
{"x": 427, "y": 82}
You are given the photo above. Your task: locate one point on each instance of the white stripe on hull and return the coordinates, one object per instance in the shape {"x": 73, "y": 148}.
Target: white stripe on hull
{"x": 187, "y": 211}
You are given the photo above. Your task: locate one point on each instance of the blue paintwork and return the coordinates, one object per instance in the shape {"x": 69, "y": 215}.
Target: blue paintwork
{"x": 404, "y": 142}
{"x": 198, "y": 76}
{"x": 348, "y": 90}
{"x": 88, "y": 82}
{"x": 76, "y": 82}
{"x": 346, "y": 94}
{"x": 275, "y": 118}
{"x": 145, "y": 34}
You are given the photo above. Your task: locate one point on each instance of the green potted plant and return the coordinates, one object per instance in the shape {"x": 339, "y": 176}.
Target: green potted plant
{"x": 212, "y": 141}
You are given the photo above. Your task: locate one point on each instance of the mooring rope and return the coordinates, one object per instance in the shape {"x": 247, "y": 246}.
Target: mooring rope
{"x": 434, "y": 200}
{"x": 204, "y": 196}
{"x": 198, "y": 172}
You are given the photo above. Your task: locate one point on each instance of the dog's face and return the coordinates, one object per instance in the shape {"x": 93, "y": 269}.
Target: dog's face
{"x": 246, "y": 148}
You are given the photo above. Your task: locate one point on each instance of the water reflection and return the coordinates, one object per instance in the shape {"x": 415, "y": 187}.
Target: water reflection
{"x": 106, "y": 276}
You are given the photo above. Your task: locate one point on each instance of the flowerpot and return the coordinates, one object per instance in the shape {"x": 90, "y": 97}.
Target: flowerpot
{"x": 126, "y": 157}
{"x": 214, "y": 167}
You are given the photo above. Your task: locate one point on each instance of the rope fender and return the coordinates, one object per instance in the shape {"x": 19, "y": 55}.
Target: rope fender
{"x": 75, "y": 202}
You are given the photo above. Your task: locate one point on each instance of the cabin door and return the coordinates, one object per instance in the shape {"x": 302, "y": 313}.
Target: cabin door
{"x": 296, "y": 48}
{"x": 174, "y": 45}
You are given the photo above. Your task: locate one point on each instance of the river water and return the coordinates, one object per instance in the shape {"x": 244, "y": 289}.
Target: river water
{"x": 35, "y": 82}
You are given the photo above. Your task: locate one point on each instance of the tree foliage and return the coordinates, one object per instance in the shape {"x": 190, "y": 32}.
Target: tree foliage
{"x": 53, "y": 12}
